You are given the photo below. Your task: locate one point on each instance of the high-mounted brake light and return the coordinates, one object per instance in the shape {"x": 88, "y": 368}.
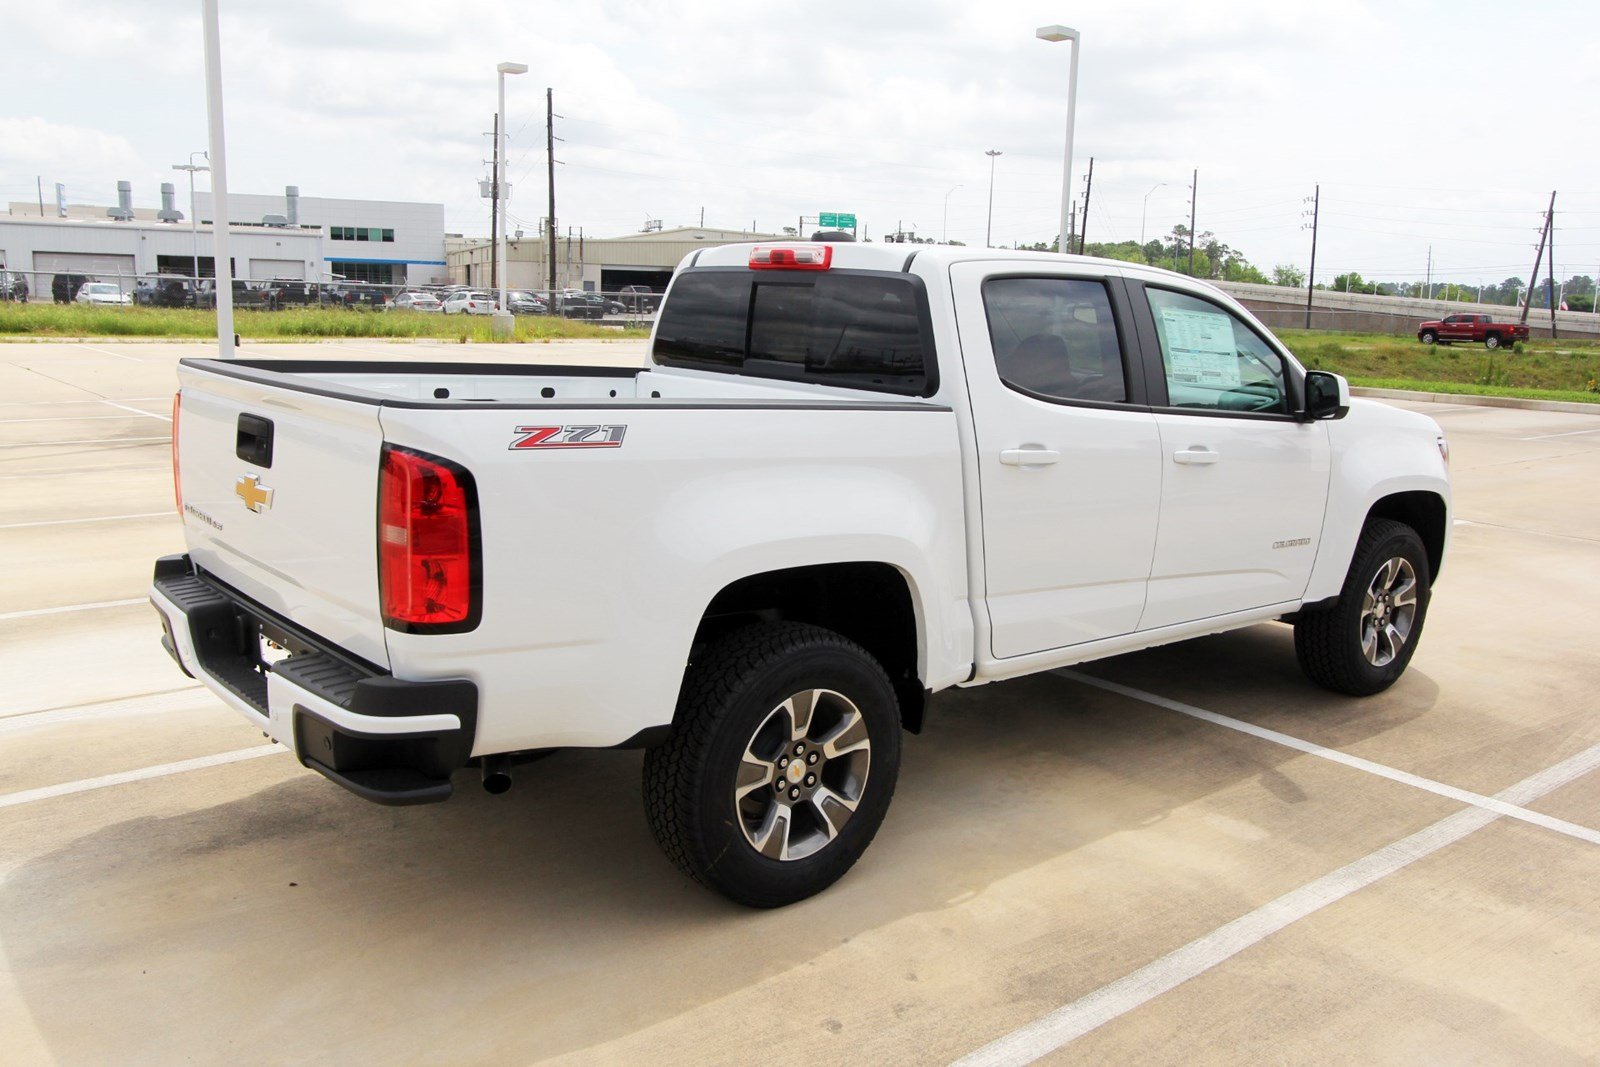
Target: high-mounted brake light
{"x": 429, "y": 573}
{"x": 791, "y": 257}
{"x": 177, "y": 479}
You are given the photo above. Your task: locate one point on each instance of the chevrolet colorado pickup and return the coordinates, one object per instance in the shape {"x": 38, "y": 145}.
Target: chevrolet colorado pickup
{"x": 851, "y": 476}
{"x": 1479, "y": 329}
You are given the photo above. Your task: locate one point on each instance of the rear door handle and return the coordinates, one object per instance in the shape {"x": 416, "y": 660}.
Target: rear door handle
{"x": 1028, "y": 457}
{"x": 1197, "y": 457}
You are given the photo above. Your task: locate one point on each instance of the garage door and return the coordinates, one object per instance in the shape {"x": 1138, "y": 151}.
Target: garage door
{"x": 264, "y": 270}
{"x": 104, "y": 268}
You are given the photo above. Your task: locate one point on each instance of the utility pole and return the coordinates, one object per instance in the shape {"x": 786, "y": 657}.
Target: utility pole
{"x": 1311, "y": 277}
{"x": 494, "y": 212}
{"x": 1193, "y": 184}
{"x": 1087, "y": 189}
{"x": 550, "y": 158}
{"x": 1538, "y": 257}
{"x": 1072, "y": 227}
{"x": 1550, "y": 230}
{"x": 988, "y": 233}
{"x": 39, "y": 181}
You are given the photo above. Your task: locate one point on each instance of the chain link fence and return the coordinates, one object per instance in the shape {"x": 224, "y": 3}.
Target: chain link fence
{"x": 632, "y": 305}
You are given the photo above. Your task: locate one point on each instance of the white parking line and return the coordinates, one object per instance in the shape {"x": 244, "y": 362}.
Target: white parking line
{"x": 1547, "y": 436}
{"x": 1450, "y": 792}
{"x": 77, "y": 418}
{"x": 1050, "y": 1032}
{"x": 89, "y": 441}
{"x": 109, "y": 352}
{"x": 79, "y": 403}
{"x": 75, "y": 522}
{"x": 138, "y": 411}
{"x": 29, "y": 796}
{"x": 84, "y": 470}
{"x": 70, "y": 608}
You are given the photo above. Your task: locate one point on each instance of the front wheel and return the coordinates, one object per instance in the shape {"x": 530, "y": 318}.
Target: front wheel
{"x": 1428, "y": 337}
{"x": 1363, "y": 643}
{"x": 780, "y": 765}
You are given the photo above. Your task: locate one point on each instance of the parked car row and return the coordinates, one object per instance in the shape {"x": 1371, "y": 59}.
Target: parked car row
{"x": 183, "y": 291}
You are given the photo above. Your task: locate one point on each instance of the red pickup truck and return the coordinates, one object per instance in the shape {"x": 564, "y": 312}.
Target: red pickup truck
{"x": 1471, "y": 328}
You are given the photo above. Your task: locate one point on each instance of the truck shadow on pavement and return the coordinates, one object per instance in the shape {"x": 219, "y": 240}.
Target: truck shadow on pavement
{"x": 303, "y": 920}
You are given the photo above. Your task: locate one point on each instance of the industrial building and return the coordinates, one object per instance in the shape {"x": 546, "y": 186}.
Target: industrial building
{"x": 390, "y": 241}
{"x": 594, "y": 264}
{"x": 279, "y": 236}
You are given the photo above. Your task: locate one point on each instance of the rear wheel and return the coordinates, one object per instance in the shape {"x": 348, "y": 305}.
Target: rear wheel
{"x": 780, "y": 766}
{"x": 1492, "y": 341}
{"x": 1363, "y": 643}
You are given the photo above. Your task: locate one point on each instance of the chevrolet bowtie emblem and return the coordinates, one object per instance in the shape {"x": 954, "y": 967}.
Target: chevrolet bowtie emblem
{"x": 256, "y": 497}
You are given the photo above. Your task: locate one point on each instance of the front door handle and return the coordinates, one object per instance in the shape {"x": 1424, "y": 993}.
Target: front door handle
{"x": 1028, "y": 457}
{"x": 1197, "y": 457}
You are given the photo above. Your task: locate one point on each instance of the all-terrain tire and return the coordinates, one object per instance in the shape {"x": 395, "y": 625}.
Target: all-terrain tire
{"x": 731, "y": 691}
{"x": 1329, "y": 644}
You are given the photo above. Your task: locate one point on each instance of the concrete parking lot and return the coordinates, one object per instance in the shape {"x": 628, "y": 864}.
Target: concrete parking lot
{"x": 1186, "y": 855}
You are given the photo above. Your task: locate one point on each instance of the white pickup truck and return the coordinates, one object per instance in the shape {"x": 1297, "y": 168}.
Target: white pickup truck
{"x": 850, "y": 477}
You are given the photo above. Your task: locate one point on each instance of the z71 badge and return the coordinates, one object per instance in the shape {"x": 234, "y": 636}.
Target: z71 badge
{"x": 567, "y": 437}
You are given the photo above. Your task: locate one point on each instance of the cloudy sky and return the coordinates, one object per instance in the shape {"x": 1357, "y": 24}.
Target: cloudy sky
{"x": 1442, "y": 124}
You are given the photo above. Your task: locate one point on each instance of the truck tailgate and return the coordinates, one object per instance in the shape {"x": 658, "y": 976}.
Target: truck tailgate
{"x": 278, "y": 490}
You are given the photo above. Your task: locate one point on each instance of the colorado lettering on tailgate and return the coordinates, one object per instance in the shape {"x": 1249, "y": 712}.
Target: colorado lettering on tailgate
{"x": 567, "y": 437}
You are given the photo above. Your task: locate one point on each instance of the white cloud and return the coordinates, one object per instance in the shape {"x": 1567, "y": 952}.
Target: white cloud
{"x": 768, "y": 111}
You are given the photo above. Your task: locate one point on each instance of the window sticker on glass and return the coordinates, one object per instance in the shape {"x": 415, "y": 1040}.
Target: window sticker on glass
{"x": 1200, "y": 348}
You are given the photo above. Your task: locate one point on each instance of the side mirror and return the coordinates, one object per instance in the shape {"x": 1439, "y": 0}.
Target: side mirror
{"x": 1327, "y": 396}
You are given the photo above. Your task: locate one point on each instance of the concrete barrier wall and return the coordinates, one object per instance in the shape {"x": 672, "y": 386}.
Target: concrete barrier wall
{"x": 1281, "y": 307}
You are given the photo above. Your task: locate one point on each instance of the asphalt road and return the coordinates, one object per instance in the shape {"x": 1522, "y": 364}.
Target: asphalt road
{"x": 1186, "y": 855}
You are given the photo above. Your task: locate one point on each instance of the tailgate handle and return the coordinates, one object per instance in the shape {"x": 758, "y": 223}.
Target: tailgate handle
{"x": 255, "y": 440}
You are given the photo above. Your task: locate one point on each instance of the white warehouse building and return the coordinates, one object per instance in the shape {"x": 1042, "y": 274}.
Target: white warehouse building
{"x": 389, "y": 241}
{"x": 286, "y": 236}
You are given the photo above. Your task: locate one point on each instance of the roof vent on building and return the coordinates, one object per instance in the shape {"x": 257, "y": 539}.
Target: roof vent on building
{"x": 168, "y": 213}
{"x": 124, "y": 209}
{"x": 274, "y": 220}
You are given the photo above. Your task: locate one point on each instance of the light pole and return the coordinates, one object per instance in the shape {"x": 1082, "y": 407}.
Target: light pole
{"x": 222, "y": 270}
{"x": 194, "y": 222}
{"x": 944, "y": 230}
{"x": 504, "y": 324}
{"x": 1145, "y": 211}
{"x": 988, "y": 233}
{"x": 1056, "y": 34}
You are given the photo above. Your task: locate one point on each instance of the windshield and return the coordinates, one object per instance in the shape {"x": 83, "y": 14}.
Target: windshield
{"x": 102, "y": 288}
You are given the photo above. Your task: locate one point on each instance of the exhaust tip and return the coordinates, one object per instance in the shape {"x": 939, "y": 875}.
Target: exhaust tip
{"x": 496, "y": 774}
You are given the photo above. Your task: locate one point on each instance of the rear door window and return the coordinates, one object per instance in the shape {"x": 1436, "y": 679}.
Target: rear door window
{"x": 857, "y": 329}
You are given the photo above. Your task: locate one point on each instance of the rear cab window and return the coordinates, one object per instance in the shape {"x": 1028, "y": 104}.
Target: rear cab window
{"x": 856, "y": 329}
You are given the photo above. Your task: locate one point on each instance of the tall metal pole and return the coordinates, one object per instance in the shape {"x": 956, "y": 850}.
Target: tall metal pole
{"x": 223, "y": 274}
{"x": 944, "y": 229}
{"x": 494, "y": 205}
{"x": 1550, "y": 228}
{"x": 1538, "y": 257}
{"x": 1194, "y": 184}
{"x": 1088, "y": 188}
{"x": 500, "y": 195}
{"x": 1075, "y": 42}
{"x": 194, "y": 219}
{"x": 1143, "y": 214}
{"x": 988, "y": 233}
{"x": 550, "y": 163}
{"x": 1311, "y": 278}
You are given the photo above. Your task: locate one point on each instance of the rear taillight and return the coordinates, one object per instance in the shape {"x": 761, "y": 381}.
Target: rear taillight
{"x": 429, "y": 572}
{"x": 177, "y": 479}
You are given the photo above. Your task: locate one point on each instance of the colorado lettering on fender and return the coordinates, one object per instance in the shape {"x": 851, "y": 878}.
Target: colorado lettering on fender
{"x": 567, "y": 437}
